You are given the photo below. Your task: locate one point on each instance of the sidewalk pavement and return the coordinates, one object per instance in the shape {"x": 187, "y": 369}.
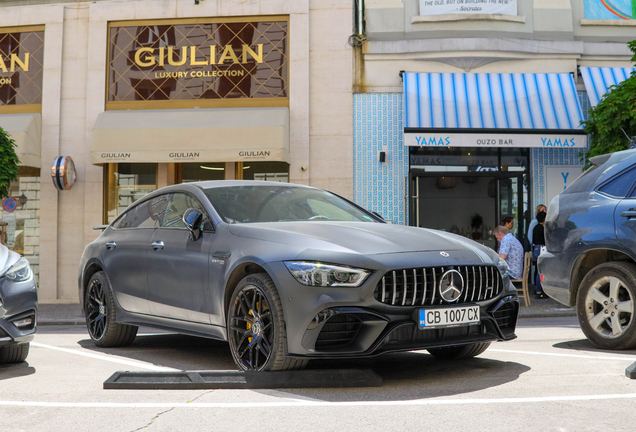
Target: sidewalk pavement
{"x": 71, "y": 314}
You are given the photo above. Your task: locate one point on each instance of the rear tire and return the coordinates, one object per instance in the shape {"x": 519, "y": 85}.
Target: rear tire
{"x": 99, "y": 305}
{"x": 605, "y": 305}
{"x": 256, "y": 328}
{"x": 459, "y": 352}
{"x": 14, "y": 353}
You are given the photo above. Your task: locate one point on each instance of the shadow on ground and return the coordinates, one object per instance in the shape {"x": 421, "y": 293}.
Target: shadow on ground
{"x": 173, "y": 350}
{"x": 15, "y": 370}
{"x": 408, "y": 375}
{"x": 586, "y": 345}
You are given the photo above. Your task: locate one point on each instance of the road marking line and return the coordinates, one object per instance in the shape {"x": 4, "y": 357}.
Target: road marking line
{"x": 628, "y": 358}
{"x": 309, "y": 404}
{"x": 106, "y": 358}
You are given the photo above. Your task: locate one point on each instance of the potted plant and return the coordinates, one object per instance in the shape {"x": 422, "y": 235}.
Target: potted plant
{"x": 476, "y": 221}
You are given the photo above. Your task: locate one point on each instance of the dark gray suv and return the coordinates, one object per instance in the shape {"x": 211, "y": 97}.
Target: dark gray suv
{"x": 287, "y": 273}
{"x": 591, "y": 242}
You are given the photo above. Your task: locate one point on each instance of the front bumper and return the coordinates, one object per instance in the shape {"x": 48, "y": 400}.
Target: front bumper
{"x": 350, "y": 322}
{"x": 18, "y": 311}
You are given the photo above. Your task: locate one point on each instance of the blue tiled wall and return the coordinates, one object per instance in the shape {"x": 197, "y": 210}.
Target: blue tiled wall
{"x": 379, "y": 186}
{"x": 540, "y": 158}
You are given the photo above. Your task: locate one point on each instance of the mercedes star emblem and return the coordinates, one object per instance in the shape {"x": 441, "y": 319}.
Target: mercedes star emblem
{"x": 451, "y": 285}
{"x": 444, "y": 254}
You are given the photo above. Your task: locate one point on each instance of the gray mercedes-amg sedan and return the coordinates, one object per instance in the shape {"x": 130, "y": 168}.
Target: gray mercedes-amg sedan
{"x": 286, "y": 273}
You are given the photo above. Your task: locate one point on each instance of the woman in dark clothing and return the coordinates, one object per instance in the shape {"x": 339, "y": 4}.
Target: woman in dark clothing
{"x": 538, "y": 240}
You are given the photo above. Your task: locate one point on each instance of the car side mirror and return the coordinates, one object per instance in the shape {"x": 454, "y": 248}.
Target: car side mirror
{"x": 193, "y": 218}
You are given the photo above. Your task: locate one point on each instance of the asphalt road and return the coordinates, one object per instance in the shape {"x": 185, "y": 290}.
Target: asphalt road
{"x": 549, "y": 379}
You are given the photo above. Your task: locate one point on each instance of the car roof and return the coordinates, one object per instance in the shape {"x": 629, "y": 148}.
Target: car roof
{"x": 209, "y": 184}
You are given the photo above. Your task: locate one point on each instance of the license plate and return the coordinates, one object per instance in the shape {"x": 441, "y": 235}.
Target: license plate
{"x": 449, "y": 317}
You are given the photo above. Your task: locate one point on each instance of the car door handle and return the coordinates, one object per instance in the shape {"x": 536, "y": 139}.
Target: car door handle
{"x": 111, "y": 245}
{"x": 158, "y": 245}
{"x": 629, "y": 214}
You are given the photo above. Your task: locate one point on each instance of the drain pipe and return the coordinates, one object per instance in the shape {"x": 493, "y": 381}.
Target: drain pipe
{"x": 360, "y": 18}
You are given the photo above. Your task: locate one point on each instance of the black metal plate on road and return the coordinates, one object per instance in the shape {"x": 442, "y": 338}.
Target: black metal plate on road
{"x": 630, "y": 371}
{"x": 201, "y": 380}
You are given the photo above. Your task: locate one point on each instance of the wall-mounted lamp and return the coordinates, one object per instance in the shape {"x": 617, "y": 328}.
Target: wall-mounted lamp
{"x": 382, "y": 154}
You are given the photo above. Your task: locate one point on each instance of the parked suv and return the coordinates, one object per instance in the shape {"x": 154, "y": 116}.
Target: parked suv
{"x": 590, "y": 261}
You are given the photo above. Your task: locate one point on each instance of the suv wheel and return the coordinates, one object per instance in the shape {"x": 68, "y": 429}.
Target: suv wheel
{"x": 605, "y": 305}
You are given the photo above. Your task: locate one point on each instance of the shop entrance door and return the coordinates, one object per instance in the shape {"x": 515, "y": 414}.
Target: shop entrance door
{"x": 458, "y": 202}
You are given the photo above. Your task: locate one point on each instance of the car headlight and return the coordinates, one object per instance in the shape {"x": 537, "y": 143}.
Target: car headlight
{"x": 503, "y": 267}
{"x": 326, "y": 275}
{"x": 20, "y": 271}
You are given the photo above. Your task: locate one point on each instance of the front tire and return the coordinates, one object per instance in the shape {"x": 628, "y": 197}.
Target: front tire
{"x": 99, "y": 305}
{"x": 256, "y": 329}
{"x": 14, "y": 353}
{"x": 459, "y": 352}
{"x": 605, "y": 305}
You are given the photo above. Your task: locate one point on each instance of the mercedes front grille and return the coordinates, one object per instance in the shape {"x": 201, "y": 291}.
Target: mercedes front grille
{"x": 420, "y": 286}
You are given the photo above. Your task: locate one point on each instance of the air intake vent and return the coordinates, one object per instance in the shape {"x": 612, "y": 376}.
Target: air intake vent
{"x": 338, "y": 331}
{"x": 420, "y": 286}
{"x": 506, "y": 316}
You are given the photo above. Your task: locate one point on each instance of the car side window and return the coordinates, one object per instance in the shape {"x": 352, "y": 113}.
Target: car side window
{"x": 620, "y": 186}
{"x": 137, "y": 217}
{"x": 178, "y": 203}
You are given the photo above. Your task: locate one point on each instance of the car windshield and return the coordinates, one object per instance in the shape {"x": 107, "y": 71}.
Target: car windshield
{"x": 251, "y": 204}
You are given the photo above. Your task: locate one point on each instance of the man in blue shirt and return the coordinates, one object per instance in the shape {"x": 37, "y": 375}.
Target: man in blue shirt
{"x": 510, "y": 251}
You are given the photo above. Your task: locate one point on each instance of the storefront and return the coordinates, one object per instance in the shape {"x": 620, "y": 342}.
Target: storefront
{"x": 469, "y": 138}
{"x": 21, "y": 71}
{"x": 459, "y": 145}
{"x": 143, "y": 94}
{"x": 192, "y": 100}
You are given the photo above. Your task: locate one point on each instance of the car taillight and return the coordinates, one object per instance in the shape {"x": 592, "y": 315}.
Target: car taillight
{"x": 541, "y": 277}
{"x": 553, "y": 210}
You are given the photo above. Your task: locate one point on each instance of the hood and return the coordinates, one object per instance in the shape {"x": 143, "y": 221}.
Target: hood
{"x": 355, "y": 237}
{"x": 7, "y": 258}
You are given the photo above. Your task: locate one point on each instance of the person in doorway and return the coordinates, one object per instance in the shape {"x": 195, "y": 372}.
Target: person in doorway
{"x": 538, "y": 236}
{"x": 510, "y": 251}
{"x": 540, "y": 208}
{"x": 508, "y": 222}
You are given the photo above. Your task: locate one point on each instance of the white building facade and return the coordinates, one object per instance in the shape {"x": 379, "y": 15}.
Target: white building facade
{"x": 476, "y": 105}
{"x": 143, "y": 94}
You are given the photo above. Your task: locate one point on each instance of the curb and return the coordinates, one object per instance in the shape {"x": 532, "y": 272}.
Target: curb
{"x": 59, "y": 323}
{"x": 549, "y": 315}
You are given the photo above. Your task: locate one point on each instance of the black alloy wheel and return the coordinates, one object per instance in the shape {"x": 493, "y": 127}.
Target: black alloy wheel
{"x": 99, "y": 306}
{"x": 96, "y": 309}
{"x": 256, "y": 331}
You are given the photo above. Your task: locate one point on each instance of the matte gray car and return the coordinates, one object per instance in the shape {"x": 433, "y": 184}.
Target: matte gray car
{"x": 286, "y": 273}
{"x": 18, "y": 306}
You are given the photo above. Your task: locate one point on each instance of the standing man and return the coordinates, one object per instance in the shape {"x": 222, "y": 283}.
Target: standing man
{"x": 510, "y": 251}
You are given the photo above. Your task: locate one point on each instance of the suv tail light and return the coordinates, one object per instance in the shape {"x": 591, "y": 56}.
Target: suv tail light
{"x": 553, "y": 210}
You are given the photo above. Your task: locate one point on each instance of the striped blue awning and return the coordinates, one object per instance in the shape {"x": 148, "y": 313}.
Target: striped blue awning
{"x": 491, "y": 101}
{"x": 598, "y": 79}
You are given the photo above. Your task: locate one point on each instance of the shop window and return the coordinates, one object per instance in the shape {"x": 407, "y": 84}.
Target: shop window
{"x": 193, "y": 172}
{"x": 21, "y": 222}
{"x": 124, "y": 184}
{"x": 266, "y": 171}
